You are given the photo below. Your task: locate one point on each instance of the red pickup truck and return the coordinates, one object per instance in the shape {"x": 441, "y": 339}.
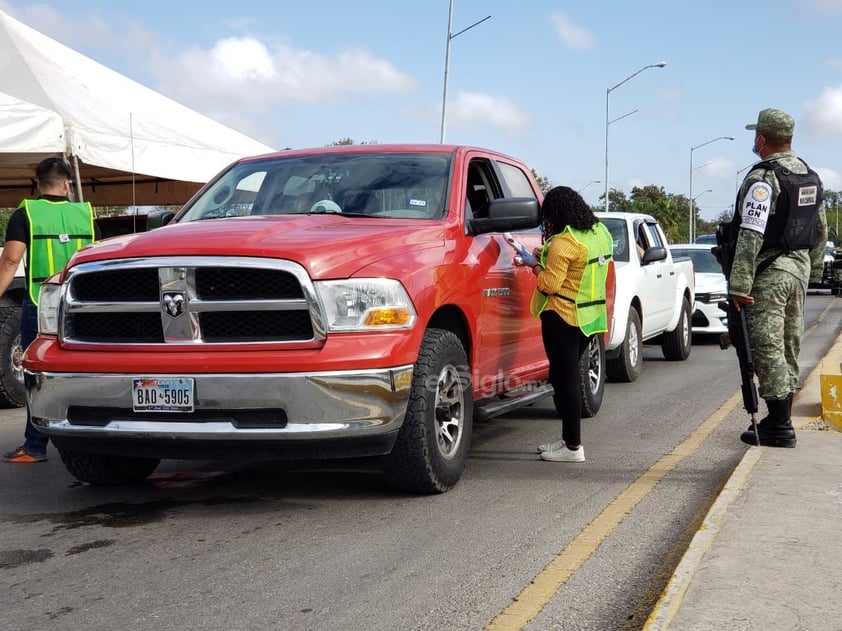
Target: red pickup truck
{"x": 333, "y": 302}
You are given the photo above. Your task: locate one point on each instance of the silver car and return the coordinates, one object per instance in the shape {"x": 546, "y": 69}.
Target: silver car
{"x": 711, "y": 287}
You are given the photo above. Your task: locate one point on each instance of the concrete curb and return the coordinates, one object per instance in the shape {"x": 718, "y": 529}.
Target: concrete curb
{"x": 670, "y": 600}
{"x": 831, "y": 386}
{"x": 817, "y": 405}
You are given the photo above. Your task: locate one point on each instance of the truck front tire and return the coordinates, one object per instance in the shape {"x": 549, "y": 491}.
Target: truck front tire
{"x": 432, "y": 445}
{"x": 626, "y": 366}
{"x": 12, "y": 392}
{"x": 676, "y": 344}
{"x": 107, "y": 470}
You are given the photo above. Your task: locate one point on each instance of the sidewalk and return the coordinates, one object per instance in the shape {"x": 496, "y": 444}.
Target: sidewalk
{"x": 769, "y": 554}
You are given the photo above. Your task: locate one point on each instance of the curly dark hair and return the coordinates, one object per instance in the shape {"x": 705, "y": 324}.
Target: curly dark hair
{"x": 564, "y": 207}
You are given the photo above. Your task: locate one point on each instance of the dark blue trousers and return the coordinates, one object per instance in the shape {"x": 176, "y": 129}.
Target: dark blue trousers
{"x": 36, "y": 442}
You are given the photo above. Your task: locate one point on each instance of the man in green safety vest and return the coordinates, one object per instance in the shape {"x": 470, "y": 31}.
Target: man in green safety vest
{"x": 48, "y": 230}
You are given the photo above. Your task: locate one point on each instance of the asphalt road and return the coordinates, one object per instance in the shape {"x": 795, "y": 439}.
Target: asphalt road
{"x": 519, "y": 543}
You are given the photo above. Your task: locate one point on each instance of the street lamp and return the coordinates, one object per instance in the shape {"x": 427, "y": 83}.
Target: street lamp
{"x": 692, "y": 218}
{"x": 737, "y": 176}
{"x": 587, "y": 185}
{"x": 660, "y": 64}
{"x": 447, "y": 63}
{"x": 693, "y": 222}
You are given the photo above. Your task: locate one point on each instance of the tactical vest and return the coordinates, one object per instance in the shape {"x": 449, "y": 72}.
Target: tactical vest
{"x": 591, "y": 309}
{"x": 56, "y": 231}
{"x": 794, "y": 224}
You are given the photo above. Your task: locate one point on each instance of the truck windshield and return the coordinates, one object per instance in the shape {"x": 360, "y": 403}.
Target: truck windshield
{"x": 391, "y": 185}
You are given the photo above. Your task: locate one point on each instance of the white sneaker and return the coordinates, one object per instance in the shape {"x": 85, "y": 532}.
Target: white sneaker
{"x": 563, "y": 454}
{"x": 550, "y": 446}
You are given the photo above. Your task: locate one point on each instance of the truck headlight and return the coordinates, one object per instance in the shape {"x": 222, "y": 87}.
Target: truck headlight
{"x": 365, "y": 304}
{"x": 48, "y": 303}
{"x": 716, "y": 297}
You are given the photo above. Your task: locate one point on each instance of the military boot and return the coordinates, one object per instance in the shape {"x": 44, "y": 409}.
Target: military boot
{"x": 776, "y": 429}
{"x": 765, "y": 423}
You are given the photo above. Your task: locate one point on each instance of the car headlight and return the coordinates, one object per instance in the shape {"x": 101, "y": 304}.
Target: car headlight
{"x": 365, "y": 304}
{"x": 716, "y": 296}
{"x": 48, "y": 304}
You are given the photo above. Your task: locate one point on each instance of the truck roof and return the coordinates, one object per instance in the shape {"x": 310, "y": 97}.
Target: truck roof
{"x": 379, "y": 148}
{"x": 619, "y": 214}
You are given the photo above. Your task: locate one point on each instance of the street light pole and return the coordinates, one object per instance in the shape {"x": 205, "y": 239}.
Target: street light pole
{"x": 691, "y": 229}
{"x": 447, "y": 64}
{"x": 608, "y": 92}
{"x": 737, "y": 176}
{"x": 587, "y": 185}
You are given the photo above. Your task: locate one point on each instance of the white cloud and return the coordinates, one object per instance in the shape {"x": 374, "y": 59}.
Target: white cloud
{"x": 80, "y": 31}
{"x": 478, "y": 108}
{"x": 828, "y": 6}
{"x": 573, "y": 35}
{"x": 831, "y": 179}
{"x": 824, "y": 115}
{"x": 243, "y": 59}
{"x": 245, "y": 72}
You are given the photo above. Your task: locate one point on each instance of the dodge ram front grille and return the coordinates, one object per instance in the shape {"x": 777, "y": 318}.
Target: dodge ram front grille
{"x": 189, "y": 300}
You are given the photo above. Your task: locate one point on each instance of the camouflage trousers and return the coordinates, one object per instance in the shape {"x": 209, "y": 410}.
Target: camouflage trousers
{"x": 775, "y": 325}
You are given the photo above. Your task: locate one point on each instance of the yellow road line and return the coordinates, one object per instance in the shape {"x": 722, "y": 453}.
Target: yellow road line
{"x": 535, "y": 596}
{"x": 543, "y": 587}
{"x": 672, "y": 596}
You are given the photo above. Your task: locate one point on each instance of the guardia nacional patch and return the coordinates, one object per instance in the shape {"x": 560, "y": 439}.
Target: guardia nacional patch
{"x": 755, "y": 210}
{"x": 807, "y": 195}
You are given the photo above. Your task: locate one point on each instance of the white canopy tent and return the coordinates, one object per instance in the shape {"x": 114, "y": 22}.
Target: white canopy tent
{"x": 128, "y": 144}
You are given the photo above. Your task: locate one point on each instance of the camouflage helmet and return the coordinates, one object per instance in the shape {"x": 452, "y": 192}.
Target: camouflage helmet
{"x": 776, "y": 122}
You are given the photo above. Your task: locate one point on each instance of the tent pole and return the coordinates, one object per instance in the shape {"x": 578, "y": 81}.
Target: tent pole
{"x": 78, "y": 180}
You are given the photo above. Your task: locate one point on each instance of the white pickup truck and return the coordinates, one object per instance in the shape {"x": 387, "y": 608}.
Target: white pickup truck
{"x": 654, "y": 295}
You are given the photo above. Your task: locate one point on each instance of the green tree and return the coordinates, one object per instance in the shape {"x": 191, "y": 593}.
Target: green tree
{"x": 617, "y": 201}
{"x": 349, "y": 141}
{"x": 543, "y": 182}
{"x": 4, "y": 221}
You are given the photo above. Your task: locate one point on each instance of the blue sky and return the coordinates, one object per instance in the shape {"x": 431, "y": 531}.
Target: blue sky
{"x": 530, "y": 81}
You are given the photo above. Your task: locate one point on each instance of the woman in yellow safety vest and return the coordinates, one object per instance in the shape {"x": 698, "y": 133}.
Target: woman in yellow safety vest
{"x": 570, "y": 300}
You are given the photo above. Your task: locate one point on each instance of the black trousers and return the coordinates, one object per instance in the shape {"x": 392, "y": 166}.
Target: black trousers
{"x": 564, "y": 345}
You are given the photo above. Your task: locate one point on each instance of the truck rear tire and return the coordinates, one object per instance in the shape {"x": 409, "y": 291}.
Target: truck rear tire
{"x": 626, "y": 366}
{"x": 432, "y": 445}
{"x": 676, "y": 344}
{"x": 12, "y": 392}
{"x": 107, "y": 470}
{"x": 592, "y": 376}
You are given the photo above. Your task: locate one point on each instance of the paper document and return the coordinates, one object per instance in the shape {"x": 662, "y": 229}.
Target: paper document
{"x": 528, "y": 258}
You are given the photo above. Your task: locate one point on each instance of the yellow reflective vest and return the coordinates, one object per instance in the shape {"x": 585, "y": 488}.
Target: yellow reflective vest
{"x": 57, "y": 229}
{"x": 590, "y": 295}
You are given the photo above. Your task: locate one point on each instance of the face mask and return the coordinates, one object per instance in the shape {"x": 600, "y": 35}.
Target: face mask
{"x": 754, "y": 149}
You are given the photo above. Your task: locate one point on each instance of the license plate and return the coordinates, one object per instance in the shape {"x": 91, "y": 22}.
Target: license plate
{"x": 173, "y": 394}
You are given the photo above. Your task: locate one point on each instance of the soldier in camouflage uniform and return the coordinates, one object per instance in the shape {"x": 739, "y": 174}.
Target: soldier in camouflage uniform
{"x": 769, "y": 280}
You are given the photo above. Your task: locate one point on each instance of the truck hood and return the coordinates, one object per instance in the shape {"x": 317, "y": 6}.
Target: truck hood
{"x": 329, "y": 246}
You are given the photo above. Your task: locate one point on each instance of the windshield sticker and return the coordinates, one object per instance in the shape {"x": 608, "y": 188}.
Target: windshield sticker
{"x": 755, "y": 211}
{"x": 421, "y": 203}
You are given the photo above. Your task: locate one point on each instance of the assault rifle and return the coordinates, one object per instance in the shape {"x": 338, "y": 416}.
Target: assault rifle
{"x": 737, "y": 334}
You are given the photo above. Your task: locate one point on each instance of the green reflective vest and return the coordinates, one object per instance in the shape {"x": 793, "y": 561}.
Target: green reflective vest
{"x": 56, "y": 231}
{"x": 591, "y": 308}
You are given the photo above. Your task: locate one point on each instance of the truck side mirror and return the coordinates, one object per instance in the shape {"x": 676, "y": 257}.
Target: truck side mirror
{"x": 654, "y": 254}
{"x": 158, "y": 218}
{"x": 506, "y": 214}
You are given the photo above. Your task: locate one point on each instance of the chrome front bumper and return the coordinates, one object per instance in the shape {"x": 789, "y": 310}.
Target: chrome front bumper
{"x": 330, "y": 405}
